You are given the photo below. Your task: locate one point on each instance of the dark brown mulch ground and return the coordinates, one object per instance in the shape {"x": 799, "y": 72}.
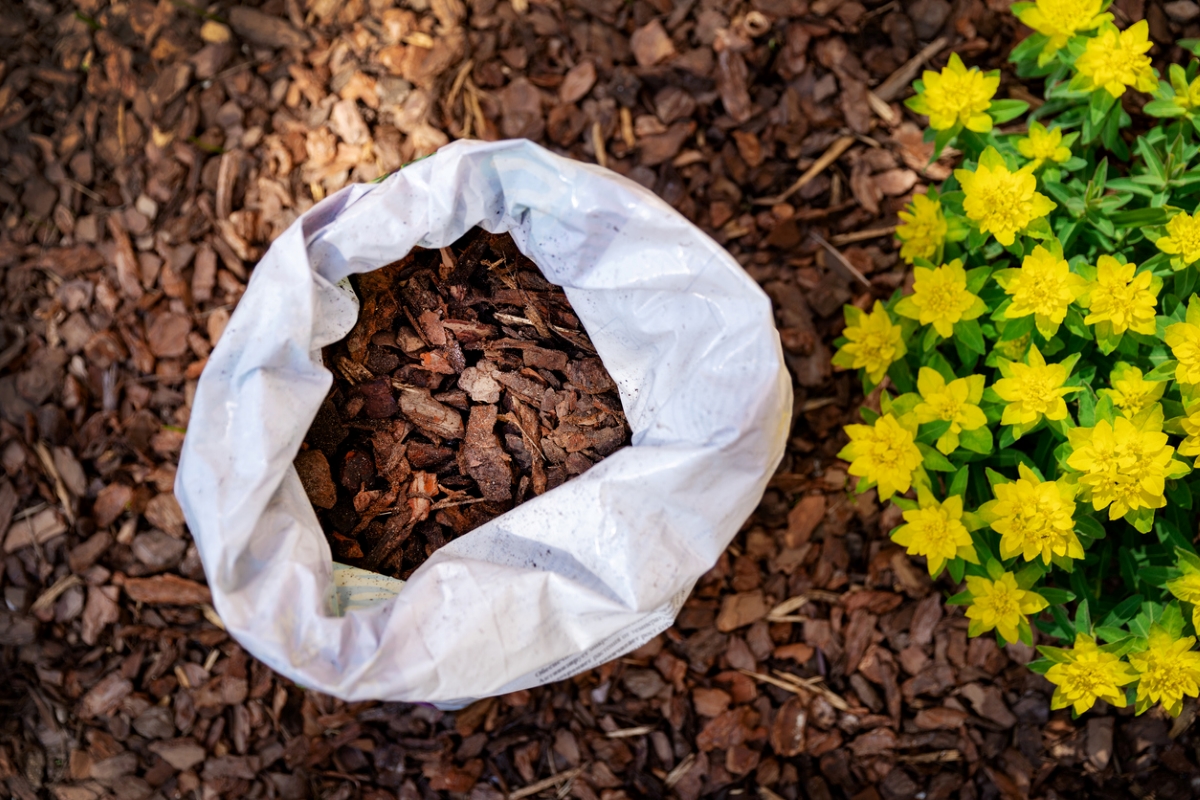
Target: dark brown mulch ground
{"x": 149, "y": 153}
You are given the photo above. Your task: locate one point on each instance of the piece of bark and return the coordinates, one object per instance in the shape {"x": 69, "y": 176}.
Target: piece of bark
{"x": 485, "y": 461}
{"x": 419, "y": 407}
{"x": 167, "y": 590}
{"x": 266, "y": 30}
{"x": 316, "y": 477}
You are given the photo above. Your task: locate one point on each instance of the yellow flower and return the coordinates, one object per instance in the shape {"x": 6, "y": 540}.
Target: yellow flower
{"x": 1061, "y": 19}
{"x": 1190, "y": 446}
{"x": 1034, "y": 518}
{"x": 940, "y": 298}
{"x": 1184, "y": 340}
{"x": 1116, "y": 59}
{"x": 956, "y": 402}
{"x": 1187, "y": 588}
{"x": 1043, "y": 145}
{"x": 1032, "y": 390}
{"x": 922, "y": 231}
{"x": 1001, "y": 605}
{"x": 956, "y": 95}
{"x": 1119, "y": 301}
{"x": 1125, "y": 464}
{"x": 1182, "y": 240}
{"x": 1044, "y": 286}
{"x": 1131, "y": 393}
{"x": 1187, "y": 96}
{"x": 1168, "y": 671}
{"x": 935, "y": 530}
{"x": 1089, "y": 674}
{"x": 884, "y": 453}
{"x": 1001, "y": 202}
{"x": 875, "y": 342}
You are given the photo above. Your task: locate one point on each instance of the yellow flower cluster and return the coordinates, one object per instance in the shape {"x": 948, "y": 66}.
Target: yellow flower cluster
{"x": 1088, "y": 674}
{"x": 1116, "y": 60}
{"x": 1042, "y": 145}
{"x": 940, "y": 298}
{"x": 922, "y": 232}
{"x": 956, "y": 96}
{"x": 1001, "y": 202}
{"x": 936, "y": 531}
{"x": 1035, "y": 518}
{"x": 884, "y": 454}
{"x": 1124, "y": 465}
{"x": 1028, "y": 341}
{"x": 1044, "y": 286}
{"x": 1001, "y": 605}
{"x": 1059, "y": 20}
{"x": 1032, "y": 390}
{"x": 874, "y": 342}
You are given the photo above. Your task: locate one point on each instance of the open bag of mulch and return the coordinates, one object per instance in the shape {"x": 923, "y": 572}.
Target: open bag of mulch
{"x": 569, "y": 579}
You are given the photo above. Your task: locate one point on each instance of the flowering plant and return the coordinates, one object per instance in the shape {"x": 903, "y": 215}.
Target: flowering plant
{"x": 1039, "y": 385}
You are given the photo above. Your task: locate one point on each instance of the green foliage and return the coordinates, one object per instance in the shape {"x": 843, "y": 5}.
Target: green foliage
{"x": 1051, "y": 381}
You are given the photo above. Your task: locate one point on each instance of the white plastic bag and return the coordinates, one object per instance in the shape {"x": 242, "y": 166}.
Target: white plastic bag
{"x": 566, "y": 581}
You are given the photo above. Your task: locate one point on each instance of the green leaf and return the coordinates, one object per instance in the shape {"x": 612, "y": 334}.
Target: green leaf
{"x": 1016, "y": 328}
{"x": 932, "y": 431}
{"x": 1165, "y": 371}
{"x": 934, "y": 460}
{"x": 1125, "y": 611}
{"x": 1087, "y": 409}
{"x": 977, "y": 441}
{"x": 957, "y": 568}
{"x": 1154, "y": 164}
{"x": 1002, "y": 111}
{"x": 1056, "y": 597}
{"x": 1111, "y": 633}
{"x": 1163, "y": 108}
{"x": 1039, "y": 666}
{"x": 968, "y": 332}
{"x": 1155, "y": 576}
{"x": 1083, "y": 617}
{"x": 1067, "y": 630}
{"x": 1089, "y": 527}
{"x": 1139, "y": 217}
{"x": 1172, "y": 620}
{"x": 1030, "y": 574}
{"x": 959, "y": 484}
{"x": 960, "y": 599}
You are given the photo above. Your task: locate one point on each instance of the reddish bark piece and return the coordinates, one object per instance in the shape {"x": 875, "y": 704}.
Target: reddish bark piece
{"x": 315, "y": 476}
{"x": 182, "y": 754}
{"x": 798, "y": 652}
{"x": 485, "y": 461}
{"x": 651, "y": 44}
{"x": 940, "y": 718}
{"x": 589, "y": 375}
{"x": 877, "y": 742}
{"x": 804, "y": 518}
{"x": 577, "y": 82}
{"x": 710, "y": 702}
{"x": 167, "y": 590}
{"x": 105, "y": 696}
{"x": 741, "y": 609}
{"x": 167, "y": 335}
{"x": 419, "y": 407}
{"x": 264, "y": 29}
{"x": 788, "y": 728}
{"x": 723, "y": 731}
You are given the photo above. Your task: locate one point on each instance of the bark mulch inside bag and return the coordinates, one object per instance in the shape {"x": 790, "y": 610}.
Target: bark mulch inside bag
{"x": 467, "y": 387}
